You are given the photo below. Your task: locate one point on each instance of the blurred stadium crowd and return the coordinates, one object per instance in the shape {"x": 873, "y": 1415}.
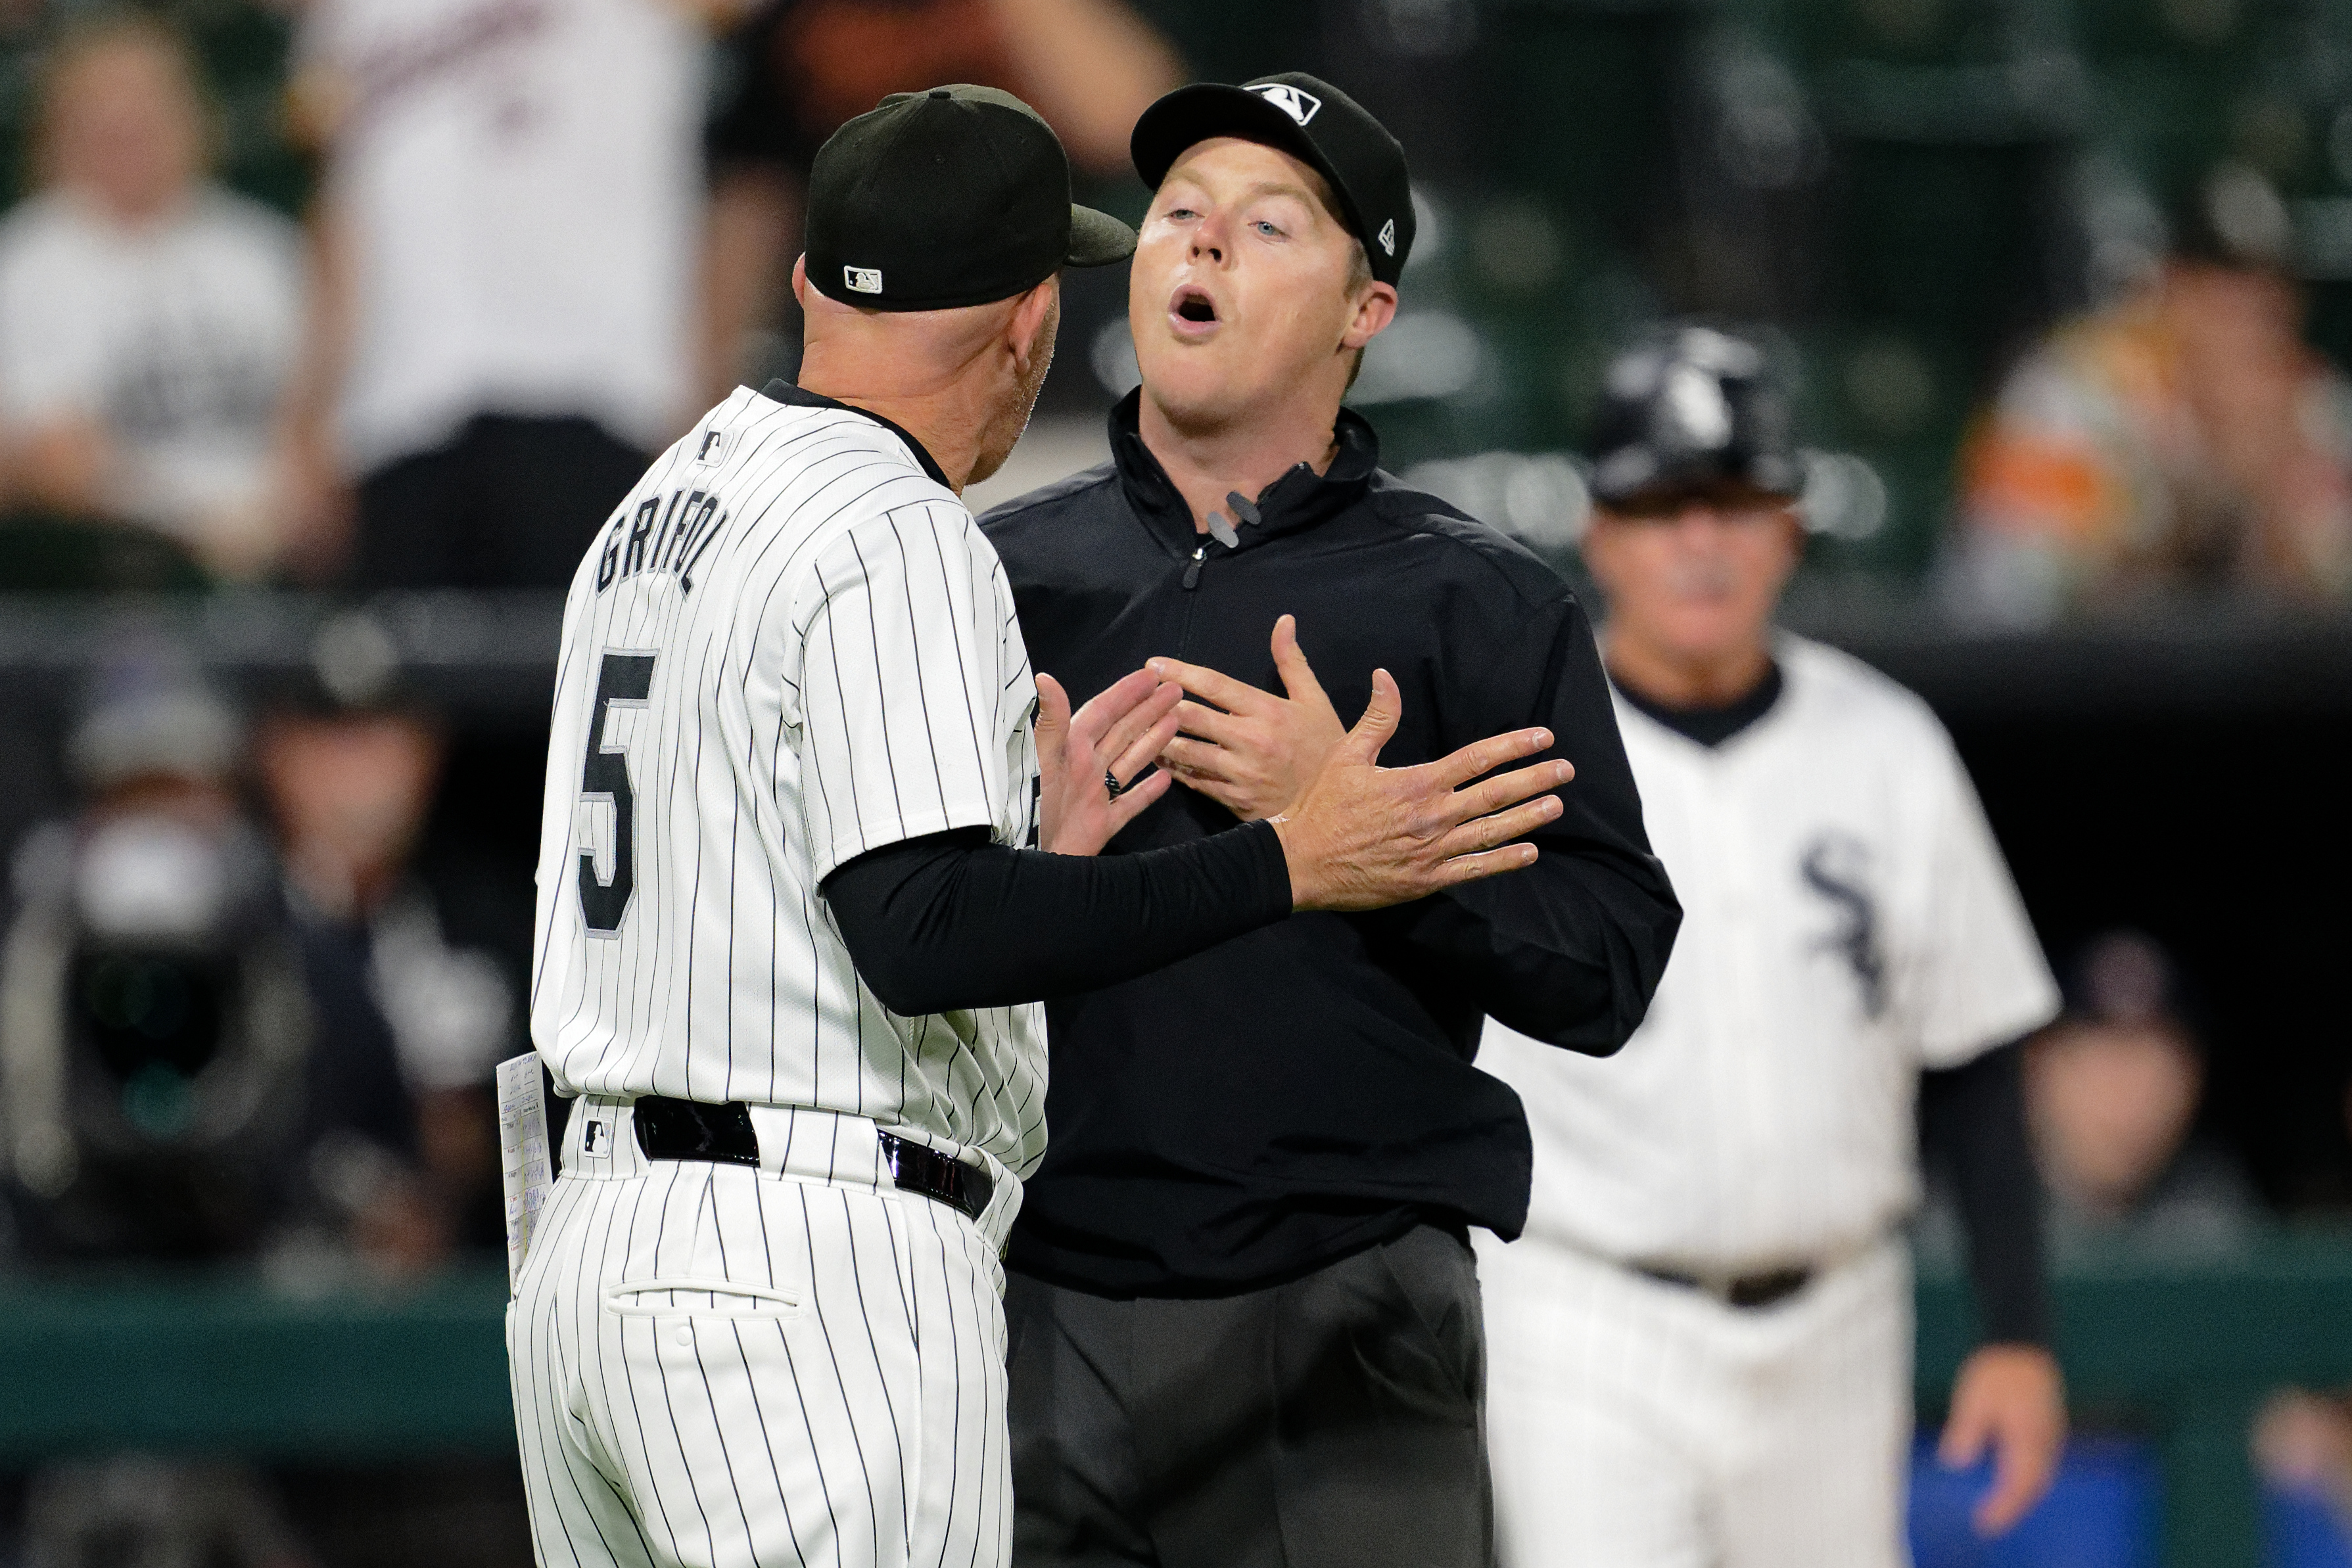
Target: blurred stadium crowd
{"x": 385, "y": 296}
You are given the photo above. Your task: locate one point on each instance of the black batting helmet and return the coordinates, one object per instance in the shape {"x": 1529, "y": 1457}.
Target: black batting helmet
{"x": 1690, "y": 408}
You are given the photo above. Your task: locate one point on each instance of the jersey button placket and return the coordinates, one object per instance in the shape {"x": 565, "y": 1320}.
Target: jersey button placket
{"x": 1737, "y": 846}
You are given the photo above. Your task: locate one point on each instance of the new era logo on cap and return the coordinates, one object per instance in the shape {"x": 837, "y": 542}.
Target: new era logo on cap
{"x": 1387, "y": 237}
{"x": 862, "y": 279}
{"x": 1296, "y": 102}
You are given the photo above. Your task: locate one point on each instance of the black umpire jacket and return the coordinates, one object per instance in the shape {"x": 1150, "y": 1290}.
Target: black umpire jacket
{"x": 1299, "y": 1094}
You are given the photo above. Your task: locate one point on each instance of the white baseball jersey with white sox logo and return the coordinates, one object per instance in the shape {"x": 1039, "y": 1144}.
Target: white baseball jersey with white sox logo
{"x": 1848, "y": 923}
{"x": 791, "y": 645}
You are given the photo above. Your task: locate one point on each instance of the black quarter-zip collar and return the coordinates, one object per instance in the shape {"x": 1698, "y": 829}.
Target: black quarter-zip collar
{"x": 1300, "y": 500}
{"x": 782, "y": 390}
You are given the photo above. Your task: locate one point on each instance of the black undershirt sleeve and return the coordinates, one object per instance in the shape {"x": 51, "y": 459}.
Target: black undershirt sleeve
{"x": 1973, "y": 1122}
{"x": 951, "y": 921}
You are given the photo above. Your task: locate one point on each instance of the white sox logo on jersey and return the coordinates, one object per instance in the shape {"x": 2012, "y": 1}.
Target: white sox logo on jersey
{"x": 1835, "y": 865}
{"x": 1300, "y": 106}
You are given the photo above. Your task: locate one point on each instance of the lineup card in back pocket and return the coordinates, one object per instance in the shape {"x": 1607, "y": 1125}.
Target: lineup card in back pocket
{"x": 525, "y": 1163}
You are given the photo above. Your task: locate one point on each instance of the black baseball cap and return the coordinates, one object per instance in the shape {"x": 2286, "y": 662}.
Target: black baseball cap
{"x": 960, "y": 195}
{"x": 1692, "y": 408}
{"x": 1313, "y": 121}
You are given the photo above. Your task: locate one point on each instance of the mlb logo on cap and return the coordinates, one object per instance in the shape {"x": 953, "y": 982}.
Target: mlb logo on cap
{"x": 862, "y": 279}
{"x": 1296, "y": 102}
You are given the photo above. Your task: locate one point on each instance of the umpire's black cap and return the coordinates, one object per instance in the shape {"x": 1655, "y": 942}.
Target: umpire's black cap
{"x": 956, "y": 196}
{"x": 1313, "y": 121}
{"x": 1691, "y": 408}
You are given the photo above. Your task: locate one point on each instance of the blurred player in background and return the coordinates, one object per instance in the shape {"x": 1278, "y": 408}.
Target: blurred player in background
{"x": 1702, "y": 1347}
{"x": 1246, "y": 1326}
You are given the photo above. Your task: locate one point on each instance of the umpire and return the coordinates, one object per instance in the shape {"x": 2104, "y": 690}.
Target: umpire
{"x": 1245, "y": 1317}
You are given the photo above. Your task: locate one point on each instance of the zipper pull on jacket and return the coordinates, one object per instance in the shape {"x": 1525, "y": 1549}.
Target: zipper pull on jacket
{"x": 1192, "y": 568}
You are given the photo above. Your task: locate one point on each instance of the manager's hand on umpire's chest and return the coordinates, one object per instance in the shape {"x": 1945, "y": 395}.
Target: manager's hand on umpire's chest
{"x": 1088, "y": 762}
{"x": 1363, "y": 836}
{"x": 1354, "y": 835}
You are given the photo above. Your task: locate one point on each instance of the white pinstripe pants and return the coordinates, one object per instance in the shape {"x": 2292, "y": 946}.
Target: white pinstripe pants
{"x": 716, "y": 1367}
{"x": 1634, "y": 1424}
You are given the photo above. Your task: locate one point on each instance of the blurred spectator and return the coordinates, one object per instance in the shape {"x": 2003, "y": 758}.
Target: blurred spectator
{"x": 2303, "y": 1443}
{"x": 2112, "y": 1093}
{"x": 185, "y": 1072}
{"x": 505, "y": 249}
{"x": 134, "y": 1510}
{"x": 351, "y": 765}
{"x": 148, "y": 318}
{"x": 2302, "y": 1440}
{"x": 1089, "y": 66}
{"x": 2183, "y": 438}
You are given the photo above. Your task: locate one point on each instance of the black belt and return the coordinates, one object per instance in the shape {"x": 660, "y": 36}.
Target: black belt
{"x": 1747, "y": 1291}
{"x": 691, "y": 1130}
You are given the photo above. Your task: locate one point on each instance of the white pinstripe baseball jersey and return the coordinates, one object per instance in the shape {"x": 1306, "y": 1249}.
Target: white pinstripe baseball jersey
{"x": 790, "y": 646}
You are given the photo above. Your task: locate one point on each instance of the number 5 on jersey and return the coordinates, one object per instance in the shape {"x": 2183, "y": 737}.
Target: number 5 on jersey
{"x": 624, "y": 678}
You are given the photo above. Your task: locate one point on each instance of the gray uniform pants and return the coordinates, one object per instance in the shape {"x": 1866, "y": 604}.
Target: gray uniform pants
{"x": 1332, "y": 1422}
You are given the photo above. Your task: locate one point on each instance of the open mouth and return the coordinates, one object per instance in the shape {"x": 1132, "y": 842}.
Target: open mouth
{"x": 1192, "y": 305}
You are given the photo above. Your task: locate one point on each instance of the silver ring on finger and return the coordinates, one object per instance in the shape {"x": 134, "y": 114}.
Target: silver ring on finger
{"x": 1111, "y": 783}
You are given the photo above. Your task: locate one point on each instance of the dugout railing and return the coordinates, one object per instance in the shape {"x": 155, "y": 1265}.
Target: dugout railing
{"x": 339, "y": 1370}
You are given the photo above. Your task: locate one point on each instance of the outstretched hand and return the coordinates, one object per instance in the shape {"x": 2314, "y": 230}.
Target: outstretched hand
{"x": 1114, "y": 736}
{"x": 1253, "y": 753}
{"x": 1364, "y": 836}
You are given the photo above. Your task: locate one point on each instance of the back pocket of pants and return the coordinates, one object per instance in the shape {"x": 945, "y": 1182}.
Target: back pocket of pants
{"x": 689, "y": 1297}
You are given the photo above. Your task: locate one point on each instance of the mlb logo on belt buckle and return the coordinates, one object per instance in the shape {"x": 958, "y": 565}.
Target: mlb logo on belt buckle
{"x": 863, "y": 279}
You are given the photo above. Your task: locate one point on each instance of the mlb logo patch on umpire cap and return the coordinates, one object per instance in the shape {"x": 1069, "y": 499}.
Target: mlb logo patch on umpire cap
{"x": 1296, "y": 102}
{"x": 862, "y": 279}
